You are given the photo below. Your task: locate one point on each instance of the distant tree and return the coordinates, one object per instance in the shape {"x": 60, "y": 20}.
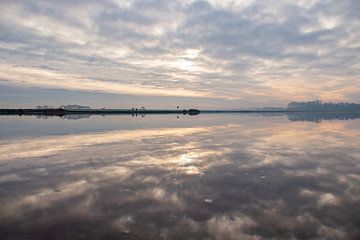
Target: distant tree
{"x": 319, "y": 106}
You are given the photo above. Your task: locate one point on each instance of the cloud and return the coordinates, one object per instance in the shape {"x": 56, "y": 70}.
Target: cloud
{"x": 260, "y": 50}
{"x": 45, "y": 77}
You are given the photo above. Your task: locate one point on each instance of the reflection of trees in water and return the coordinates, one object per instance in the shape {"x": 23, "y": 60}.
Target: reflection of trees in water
{"x": 76, "y": 116}
{"x": 314, "y": 116}
{"x": 319, "y": 116}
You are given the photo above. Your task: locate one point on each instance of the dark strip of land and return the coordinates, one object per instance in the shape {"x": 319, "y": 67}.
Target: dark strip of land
{"x": 62, "y": 112}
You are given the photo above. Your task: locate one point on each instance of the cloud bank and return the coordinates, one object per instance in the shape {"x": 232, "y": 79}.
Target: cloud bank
{"x": 227, "y": 50}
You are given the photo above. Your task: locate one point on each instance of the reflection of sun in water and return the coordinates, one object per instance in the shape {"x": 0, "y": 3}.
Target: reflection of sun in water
{"x": 187, "y": 165}
{"x": 186, "y": 159}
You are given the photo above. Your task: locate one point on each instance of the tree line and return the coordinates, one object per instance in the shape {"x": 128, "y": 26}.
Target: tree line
{"x": 320, "y": 106}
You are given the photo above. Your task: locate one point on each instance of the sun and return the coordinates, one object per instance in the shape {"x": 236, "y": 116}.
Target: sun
{"x": 186, "y": 65}
{"x": 188, "y": 60}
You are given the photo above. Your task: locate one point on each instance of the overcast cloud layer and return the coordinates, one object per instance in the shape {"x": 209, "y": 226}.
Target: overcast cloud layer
{"x": 214, "y": 53}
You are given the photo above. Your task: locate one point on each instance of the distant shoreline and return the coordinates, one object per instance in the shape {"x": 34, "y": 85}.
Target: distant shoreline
{"x": 62, "y": 112}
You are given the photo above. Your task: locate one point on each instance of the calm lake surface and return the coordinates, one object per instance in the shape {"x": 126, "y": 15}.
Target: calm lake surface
{"x": 211, "y": 176}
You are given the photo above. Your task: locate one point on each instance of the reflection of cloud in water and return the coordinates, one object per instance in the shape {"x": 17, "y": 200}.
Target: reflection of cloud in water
{"x": 323, "y": 199}
{"x": 53, "y": 145}
{"x": 43, "y": 198}
{"x": 292, "y": 181}
{"x": 231, "y": 227}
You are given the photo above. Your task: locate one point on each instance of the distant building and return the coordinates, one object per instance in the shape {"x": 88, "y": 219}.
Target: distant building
{"x": 44, "y": 107}
{"x": 74, "y": 107}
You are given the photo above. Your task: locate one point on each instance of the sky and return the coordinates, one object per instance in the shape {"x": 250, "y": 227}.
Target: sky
{"x": 162, "y": 54}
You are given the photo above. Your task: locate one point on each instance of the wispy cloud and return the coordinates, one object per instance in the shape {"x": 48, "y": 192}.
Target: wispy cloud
{"x": 259, "y": 50}
{"x": 48, "y": 78}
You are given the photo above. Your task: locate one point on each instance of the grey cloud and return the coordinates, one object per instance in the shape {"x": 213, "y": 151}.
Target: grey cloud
{"x": 245, "y": 48}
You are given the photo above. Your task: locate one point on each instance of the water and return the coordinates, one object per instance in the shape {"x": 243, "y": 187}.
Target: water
{"x": 215, "y": 176}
